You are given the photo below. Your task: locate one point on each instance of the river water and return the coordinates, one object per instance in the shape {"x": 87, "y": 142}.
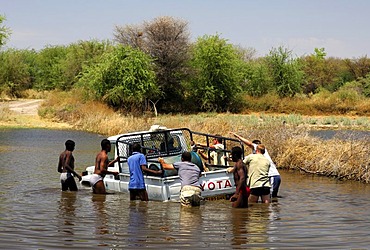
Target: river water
{"x": 314, "y": 212}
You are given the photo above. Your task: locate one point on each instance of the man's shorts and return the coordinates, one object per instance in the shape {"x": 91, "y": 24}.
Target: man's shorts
{"x": 190, "y": 196}
{"x": 138, "y": 194}
{"x": 260, "y": 191}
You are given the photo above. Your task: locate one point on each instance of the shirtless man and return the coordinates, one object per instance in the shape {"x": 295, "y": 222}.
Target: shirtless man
{"x": 101, "y": 168}
{"x": 240, "y": 198}
{"x": 66, "y": 167}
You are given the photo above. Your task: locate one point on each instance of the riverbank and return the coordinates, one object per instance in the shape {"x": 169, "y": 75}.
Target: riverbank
{"x": 286, "y": 136}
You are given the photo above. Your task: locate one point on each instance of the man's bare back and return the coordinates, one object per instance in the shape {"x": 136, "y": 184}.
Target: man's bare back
{"x": 101, "y": 167}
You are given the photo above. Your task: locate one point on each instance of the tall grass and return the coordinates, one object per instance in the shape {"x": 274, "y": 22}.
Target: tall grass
{"x": 323, "y": 103}
{"x": 286, "y": 136}
{"x": 342, "y": 159}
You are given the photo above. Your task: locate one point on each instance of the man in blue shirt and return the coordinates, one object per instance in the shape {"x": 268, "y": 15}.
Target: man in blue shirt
{"x": 137, "y": 165}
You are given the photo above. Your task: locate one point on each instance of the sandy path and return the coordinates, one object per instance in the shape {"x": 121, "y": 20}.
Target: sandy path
{"x": 24, "y": 106}
{"x": 25, "y": 115}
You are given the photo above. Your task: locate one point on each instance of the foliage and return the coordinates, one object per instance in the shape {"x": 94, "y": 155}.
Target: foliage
{"x": 330, "y": 73}
{"x": 258, "y": 79}
{"x": 320, "y": 53}
{"x": 219, "y": 72}
{"x": 317, "y": 72}
{"x": 360, "y": 86}
{"x": 166, "y": 39}
{"x": 124, "y": 78}
{"x": 358, "y": 67}
{"x": 48, "y": 68}
{"x": 79, "y": 55}
{"x": 347, "y": 96}
{"x": 4, "y": 31}
{"x": 180, "y": 77}
{"x": 16, "y": 71}
{"x": 285, "y": 71}
{"x": 366, "y": 85}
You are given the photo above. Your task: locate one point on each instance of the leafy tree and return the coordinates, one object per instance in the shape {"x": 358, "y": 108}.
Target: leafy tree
{"x": 285, "y": 71}
{"x": 320, "y": 53}
{"x": 259, "y": 81}
{"x": 79, "y": 55}
{"x": 4, "y": 31}
{"x": 123, "y": 79}
{"x": 366, "y": 84}
{"x": 219, "y": 72}
{"x": 318, "y": 71}
{"x": 49, "y": 70}
{"x": 165, "y": 39}
{"x": 340, "y": 73}
{"x": 361, "y": 86}
{"x": 358, "y": 67}
{"x": 16, "y": 71}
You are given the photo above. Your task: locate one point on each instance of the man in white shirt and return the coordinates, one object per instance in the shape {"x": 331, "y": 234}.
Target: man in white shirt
{"x": 274, "y": 175}
{"x": 217, "y": 151}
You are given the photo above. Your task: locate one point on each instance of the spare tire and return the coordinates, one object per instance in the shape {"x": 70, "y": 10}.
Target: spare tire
{"x": 156, "y": 168}
{"x": 195, "y": 158}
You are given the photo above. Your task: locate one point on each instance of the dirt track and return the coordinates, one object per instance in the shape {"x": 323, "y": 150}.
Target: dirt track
{"x": 24, "y": 106}
{"x": 25, "y": 115}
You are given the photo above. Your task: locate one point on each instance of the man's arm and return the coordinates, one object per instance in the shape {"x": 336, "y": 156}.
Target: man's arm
{"x": 60, "y": 164}
{"x": 244, "y": 140}
{"x": 165, "y": 165}
{"x": 114, "y": 161}
{"x": 203, "y": 155}
{"x": 68, "y": 167}
{"x": 148, "y": 170}
{"x": 104, "y": 165}
{"x": 230, "y": 169}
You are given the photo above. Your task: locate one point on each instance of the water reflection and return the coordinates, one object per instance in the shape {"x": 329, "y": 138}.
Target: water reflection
{"x": 316, "y": 212}
{"x": 137, "y": 223}
{"x": 255, "y": 225}
{"x": 190, "y": 220}
{"x": 101, "y": 217}
{"x": 67, "y": 216}
{"x": 240, "y": 226}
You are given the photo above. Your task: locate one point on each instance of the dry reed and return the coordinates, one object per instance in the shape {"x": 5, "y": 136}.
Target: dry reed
{"x": 342, "y": 159}
{"x": 287, "y": 141}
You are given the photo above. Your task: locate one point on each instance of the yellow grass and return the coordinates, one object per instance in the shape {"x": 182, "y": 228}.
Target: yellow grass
{"x": 321, "y": 104}
{"x": 285, "y": 135}
{"x": 347, "y": 159}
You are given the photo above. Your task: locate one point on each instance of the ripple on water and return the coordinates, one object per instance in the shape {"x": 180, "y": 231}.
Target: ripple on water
{"x": 34, "y": 214}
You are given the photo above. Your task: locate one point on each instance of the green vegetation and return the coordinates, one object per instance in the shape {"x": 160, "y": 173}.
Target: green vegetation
{"x": 4, "y": 31}
{"x": 219, "y": 68}
{"x": 124, "y": 78}
{"x": 286, "y": 72}
{"x": 154, "y": 68}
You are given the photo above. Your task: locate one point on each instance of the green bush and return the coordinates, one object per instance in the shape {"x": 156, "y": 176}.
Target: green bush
{"x": 219, "y": 72}
{"x": 123, "y": 79}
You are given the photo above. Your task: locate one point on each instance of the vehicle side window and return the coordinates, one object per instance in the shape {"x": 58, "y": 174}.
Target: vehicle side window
{"x": 112, "y": 153}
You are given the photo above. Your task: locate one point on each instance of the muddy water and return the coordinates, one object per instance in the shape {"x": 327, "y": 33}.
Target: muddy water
{"x": 314, "y": 212}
